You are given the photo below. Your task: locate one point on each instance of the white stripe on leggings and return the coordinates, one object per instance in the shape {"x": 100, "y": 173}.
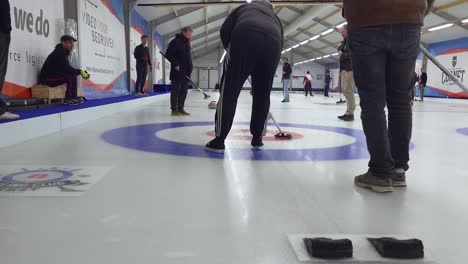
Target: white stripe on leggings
{"x": 219, "y": 119}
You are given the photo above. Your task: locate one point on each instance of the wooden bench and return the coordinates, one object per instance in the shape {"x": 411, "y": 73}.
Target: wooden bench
{"x": 51, "y": 93}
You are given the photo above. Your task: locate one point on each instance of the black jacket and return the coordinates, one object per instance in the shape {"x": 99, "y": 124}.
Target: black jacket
{"x": 345, "y": 58}
{"x": 141, "y": 52}
{"x": 5, "y": 18}
{"x": 57, "y": 65}
{"x": 287, "y": 71}
{"x": 423, "y": 78}
{"x": 179, "y": 53}
{"x": 255, "y": 16}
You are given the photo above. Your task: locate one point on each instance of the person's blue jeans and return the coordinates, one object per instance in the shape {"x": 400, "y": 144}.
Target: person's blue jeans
{"x": 383, "y": 60}
{"x": 286, "y": 89}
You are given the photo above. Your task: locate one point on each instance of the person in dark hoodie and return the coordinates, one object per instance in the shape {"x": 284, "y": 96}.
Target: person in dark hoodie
{"x": 143, "y": 60}
{"x": 384, "y": 39}
{"x": 5, "y": 37}
{"x": 179, "y": 54}
{"x": 57, "y": 70}
{"x": 253, "y": 38}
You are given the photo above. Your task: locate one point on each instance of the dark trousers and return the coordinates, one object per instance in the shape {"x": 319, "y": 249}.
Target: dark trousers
{"x": 4, "y": 47}
{"x": 70, "y": 80}
{"x": 254, "y": 54}
{"x": 308, "y": 88}
{"x": 327, "y": 88}
{"x": 383, "y": 61}
{"x": 142, "y": 74}
{"x": 179, "y": 91}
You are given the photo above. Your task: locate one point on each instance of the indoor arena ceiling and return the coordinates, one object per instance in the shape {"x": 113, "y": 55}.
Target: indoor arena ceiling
{"x": 311, "y": 27}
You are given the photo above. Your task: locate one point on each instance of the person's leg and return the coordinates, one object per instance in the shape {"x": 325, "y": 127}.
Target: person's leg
{"x": 138, "y": 80}
{"x": 3, "y": 107}
{"x": 144, "y": 75}
{"x": 405, "y": 40}
{"x": 238, "y": 65}
{"x": 175, "y": 87}
{"x": 4, "y": 48}
{"x": 348, "y": 90}
{"x": 182, "y": 96}
{"x": 327, "y": 88}
{"x": 422, "y": 87}
{"x": 262, "y": 82}
{"x": 286, "y": 90}
{"x": 369, "y": 56}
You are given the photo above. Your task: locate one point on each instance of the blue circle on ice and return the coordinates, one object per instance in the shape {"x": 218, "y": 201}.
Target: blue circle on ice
{"x": 144, "y": 138}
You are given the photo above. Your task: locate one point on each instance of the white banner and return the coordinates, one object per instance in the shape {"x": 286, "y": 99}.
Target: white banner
{"x": 157, "y": 59}
{"x": 455, "y": 62}
{"x": 102, "y": 47}
{"x": 317, "y": 72}
{"x": 36, "y": 30}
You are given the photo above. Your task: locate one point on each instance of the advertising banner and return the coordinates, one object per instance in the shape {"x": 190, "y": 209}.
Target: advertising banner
{"x": 139, "y": 27}
{"x": 454, "y": 56}
{"x": 36, "y": 31}
{"x": 102, "y": 47}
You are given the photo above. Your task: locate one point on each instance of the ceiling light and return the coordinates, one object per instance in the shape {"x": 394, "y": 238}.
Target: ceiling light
{"x": 304, "y": 42}
{"x": 464, "y": 21}
{"x": 328, "y": 31}
{"x": 441, "y": 27}
{"x": 326, "y": 56}
{"x": 318, "y": 58}
{"x": 335, "y": 54}
{"x": 295, "y": 46}
{"x": 283, "y": 52}
{"x": 288, "y": 50}
{"x": 314, "y": 37}
{"x": 342, "y": 25}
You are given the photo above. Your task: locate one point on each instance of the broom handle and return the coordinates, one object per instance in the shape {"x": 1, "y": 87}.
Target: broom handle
{"x": 276, "y": 123}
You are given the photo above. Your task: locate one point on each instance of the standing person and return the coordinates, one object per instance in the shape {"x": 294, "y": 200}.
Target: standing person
{"x": 422, "y": 84}
{"x": 57, "y": 70}
{"x": 308, "y": 84}
{"x": 179, "y": 53}
{"x": 327, "y": 82}
{"x": 287, "y": 71}
{"x": 414, "y": 80}
{"x": 5, "y": 37}
{"x": 384, "y": 39}
{"x": 347, "y": 79}
{"x": 253, "y": 38}
{"x": 143, "y": 61}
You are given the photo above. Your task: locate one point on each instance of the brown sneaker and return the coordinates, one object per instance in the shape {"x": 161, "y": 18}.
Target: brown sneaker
{"x": 373, "y": 183}
{"x": 175, "y": 113}
{"x": 399, "y": 179}
{"x": 183, "y": 113}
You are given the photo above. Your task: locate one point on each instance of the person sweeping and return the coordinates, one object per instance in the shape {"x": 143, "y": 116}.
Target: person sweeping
{"x": 253, "y": 38}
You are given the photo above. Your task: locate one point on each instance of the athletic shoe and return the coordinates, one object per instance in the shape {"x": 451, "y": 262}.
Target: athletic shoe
{"x": 176, "y": 113}
{"x": 257, "y": 143}
{"x": 216, "y": 146}
{"x": 285, "y": 101}
{"x": 77, "y": 101}
{"x": 399, "y": 178}
{"x": 9, "y": 116}
{"x": 70, "y": 102}
{"x": 138, "y": 94}
{"x": 183, "y": 113}
{"x": 145, "y": 94}
{"x": 374, "y": 183}
{"x": 346, "y": 117}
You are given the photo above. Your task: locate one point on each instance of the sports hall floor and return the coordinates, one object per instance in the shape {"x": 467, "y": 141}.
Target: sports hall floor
{"x": 162, "y": 199}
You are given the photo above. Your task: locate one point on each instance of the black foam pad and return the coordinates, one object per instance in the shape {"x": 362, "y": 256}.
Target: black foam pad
{"x": 398, "y": 249}
{"x": 326, "y": 248}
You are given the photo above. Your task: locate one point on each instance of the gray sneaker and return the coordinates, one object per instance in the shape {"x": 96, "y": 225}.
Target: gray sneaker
{"x": 374, "y": 183}
{"x": 9, "y": 116}
{"x": 399, "y": 179}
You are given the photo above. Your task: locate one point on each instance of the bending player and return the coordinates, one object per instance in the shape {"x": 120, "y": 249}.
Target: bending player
{"x": 57, "y": 70}
{"x": 253, "y": 38}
